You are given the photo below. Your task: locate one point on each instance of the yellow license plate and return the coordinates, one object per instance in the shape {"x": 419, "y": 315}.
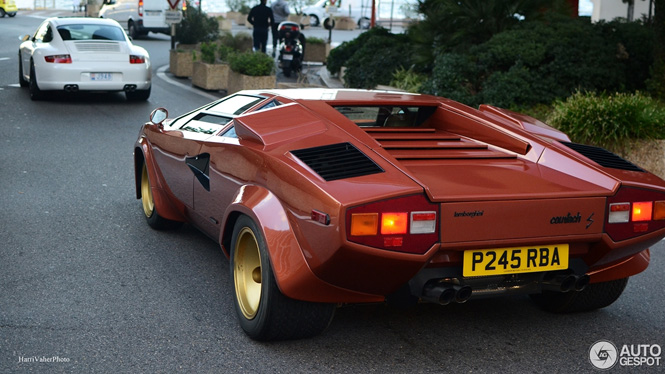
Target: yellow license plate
{"x": 501, "y": 261}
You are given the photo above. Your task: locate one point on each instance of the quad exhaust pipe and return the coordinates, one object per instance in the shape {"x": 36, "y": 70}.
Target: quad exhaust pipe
{"x": 444, "y": 293}
{"x": 565, "y": 283}
{"x": 71, "y": 88}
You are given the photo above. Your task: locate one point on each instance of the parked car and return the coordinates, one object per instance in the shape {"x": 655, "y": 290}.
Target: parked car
{"x": 326, "y": 197}
{"x": 359, "y": 10}
{"x": 8, "y": 7}
{"x": 139, "y": 17}
{"x": 83, "y": 54}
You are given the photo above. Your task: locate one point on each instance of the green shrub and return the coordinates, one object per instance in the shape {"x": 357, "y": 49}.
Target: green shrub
{"x": 407, "y": 80}
{"x": 373, "y": 61}
{"x": 609, "y": 120}
{"x": 208, "y": 52}
{"x": 250, "y": 63}
{"x": 196, "y": 27}
{"x": 314, "y": 40}
{"x": 454, "y": 76}
{"x": 339, "y": 56}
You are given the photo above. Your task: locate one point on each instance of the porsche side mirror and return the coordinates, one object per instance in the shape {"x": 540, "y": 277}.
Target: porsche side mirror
{"x": 158, "y": 116}
{"x": 24, "y": 38}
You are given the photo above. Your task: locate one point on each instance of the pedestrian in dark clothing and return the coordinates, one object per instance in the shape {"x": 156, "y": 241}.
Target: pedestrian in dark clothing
{"x": 261, "y": 19}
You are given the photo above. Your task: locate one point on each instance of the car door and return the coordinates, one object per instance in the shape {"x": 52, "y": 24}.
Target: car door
{"x": 174, "y": 147}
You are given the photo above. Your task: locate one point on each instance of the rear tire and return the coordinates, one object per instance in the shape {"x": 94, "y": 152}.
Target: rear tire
{"x": 594, "y": 296}
{"x": 153, "y": 218}
{"x": 263, "y": 311}
{"x": 35, "y": 92}
{"x": 132, "y": 30}
{"x": 314, "y": 20}
{"x": 138, "y": 95}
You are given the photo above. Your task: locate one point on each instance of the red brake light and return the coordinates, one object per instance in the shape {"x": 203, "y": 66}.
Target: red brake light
{"x": 59, "y": 59}
{"x": 633, "y": 212}
{"x": 134, "y": 59}
{"x": 642, "y": 211}
{"x": 393, "y": 223}
{"x": 406, "y": 224}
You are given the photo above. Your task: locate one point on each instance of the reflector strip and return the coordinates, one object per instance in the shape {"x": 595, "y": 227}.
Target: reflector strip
{"x": 659, "y": 210}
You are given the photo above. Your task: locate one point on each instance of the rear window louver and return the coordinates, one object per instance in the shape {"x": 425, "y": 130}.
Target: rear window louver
{"x": 603, "y": 157}
{"x": 337, "y": 161}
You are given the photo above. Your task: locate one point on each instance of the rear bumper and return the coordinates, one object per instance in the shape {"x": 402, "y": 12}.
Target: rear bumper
{"x": 57, "y": 76}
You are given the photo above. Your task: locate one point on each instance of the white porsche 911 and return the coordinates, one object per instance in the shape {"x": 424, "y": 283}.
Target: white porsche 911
{"x": 83, "y": 54}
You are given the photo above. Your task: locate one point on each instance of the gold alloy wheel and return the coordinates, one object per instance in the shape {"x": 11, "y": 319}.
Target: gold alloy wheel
{"x": 146, "y": 193}
{"x": 247, "y": 272}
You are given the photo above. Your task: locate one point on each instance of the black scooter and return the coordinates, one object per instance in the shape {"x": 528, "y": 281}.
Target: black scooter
{"x": 291, "y": 47}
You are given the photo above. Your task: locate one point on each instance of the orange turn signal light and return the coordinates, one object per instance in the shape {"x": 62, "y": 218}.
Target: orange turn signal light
{"x": 642, "y": 211}
{"x": 659, "y": 210}
{"x": 364, "y": 224}
{"x": 394, "y": 223}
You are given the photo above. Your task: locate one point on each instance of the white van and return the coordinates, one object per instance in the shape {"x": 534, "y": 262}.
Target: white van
{"x": 137, "y": 16}
{"x": 359, "y": 10}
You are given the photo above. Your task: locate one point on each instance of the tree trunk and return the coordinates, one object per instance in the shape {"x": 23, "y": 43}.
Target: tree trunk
{"x": 656, "y": 84}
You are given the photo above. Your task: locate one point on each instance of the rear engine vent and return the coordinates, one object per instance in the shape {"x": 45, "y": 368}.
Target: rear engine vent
{"x": 603, "y": 157}
{"x": 337, "y": 161}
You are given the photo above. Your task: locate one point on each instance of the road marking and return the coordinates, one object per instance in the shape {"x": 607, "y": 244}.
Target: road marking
{"x": 4, "y": 58}
{"x": 161, "y": 73}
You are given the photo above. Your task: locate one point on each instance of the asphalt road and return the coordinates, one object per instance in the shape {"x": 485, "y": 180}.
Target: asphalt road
{"x": 87, "y": 287}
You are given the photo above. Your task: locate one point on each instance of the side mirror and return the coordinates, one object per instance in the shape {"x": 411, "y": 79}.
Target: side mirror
{"x": 158, "y": 116}
{"x": 24, "y": 38}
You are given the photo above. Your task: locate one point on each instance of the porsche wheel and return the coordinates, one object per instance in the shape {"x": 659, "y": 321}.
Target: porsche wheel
{"x": 313, "y": 20}
{"x": 264, "y": 312}
{"x": 21, "y": 80}
{"x": 155, "y": 221}
{"x": 594, "y": 296}
{"x": 35, "y": 92}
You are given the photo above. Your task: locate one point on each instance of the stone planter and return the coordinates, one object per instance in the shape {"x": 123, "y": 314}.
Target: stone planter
{"x": 239, "y": 82}
{"x": 647, "y": 154}
{"x": 181, "y": 62}
{"x": 316, "y": 52}
{"x": 344, "y": 23}
{"x": 211, "y": 76}
{"x": 225, "y": 24}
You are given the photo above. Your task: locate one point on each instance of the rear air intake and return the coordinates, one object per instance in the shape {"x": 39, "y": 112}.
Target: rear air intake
{"x": 337, "y": 161}
{"x": 603, "y": 157}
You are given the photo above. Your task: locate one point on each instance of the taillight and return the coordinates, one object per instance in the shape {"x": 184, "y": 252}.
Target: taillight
{"x": 134, "y": 59}
{"x": 633, "y": 212}
{"x": 59, "y": 59}
{"x": 141, "y": 8}
{"x": 406, "y": 224}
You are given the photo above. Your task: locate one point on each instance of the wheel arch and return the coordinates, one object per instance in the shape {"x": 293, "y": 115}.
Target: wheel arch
{"x": 167, "y": 208}
{"x": 292, "y": 273}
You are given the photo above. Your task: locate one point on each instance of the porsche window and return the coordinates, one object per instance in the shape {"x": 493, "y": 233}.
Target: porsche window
{"x": 91, "y": 32}
{"x": 236, "y": 104}
{"x": 387, "y": 115}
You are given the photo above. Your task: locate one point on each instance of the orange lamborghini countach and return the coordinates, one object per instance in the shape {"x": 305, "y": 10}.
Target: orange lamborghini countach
{"x": 326, "y": 197}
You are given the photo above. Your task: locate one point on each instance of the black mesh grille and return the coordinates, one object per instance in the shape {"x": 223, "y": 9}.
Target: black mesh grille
{"x": 337, "y": 161}
{"x": 603, "y": 157}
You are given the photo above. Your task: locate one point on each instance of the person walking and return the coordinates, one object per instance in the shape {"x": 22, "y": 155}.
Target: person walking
{"x": 280, "y": 11}
{"x": 261, "y": 18}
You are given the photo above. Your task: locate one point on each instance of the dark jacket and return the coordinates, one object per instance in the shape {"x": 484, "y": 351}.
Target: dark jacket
{"x": 261, "y": 16}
